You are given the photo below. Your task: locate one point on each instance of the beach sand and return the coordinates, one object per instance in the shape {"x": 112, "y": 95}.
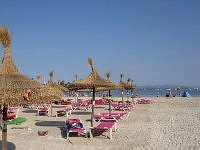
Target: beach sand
{"x": 167, "y": 123}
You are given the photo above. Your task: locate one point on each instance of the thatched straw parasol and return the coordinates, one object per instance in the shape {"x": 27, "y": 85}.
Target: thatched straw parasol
{"x": 53, "y": 91}
{"x": 13, "y": 83}
{"x": 125, "y": 86}
{"x": 109, "y": 95}
{"x": 93, "y": 81}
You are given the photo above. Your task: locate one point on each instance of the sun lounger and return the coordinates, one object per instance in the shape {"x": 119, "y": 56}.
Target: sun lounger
{"x": 103, "y": 127}
{"x": 111, "y": 116}
{"x": 74, "y": 126}
{"x": 64, "y": 112}
{"x": 43, "y": 110}
{"x": 122, "y": 107}
{"x": 67, "y": 102}
{"x": 144, "y": 101}
{"x": 11, "y": 116}
{"x": 99, "y": 117}
{"x": 80, "y": 105}
{"x": 12, "y": 112}
{"x": 124, "y": 115}
{"x": 99, "y": 103}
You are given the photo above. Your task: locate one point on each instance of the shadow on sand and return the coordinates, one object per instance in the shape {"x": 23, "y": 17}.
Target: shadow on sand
{"x": 30, "y": 111}
{"x": 10, "y": 145}
{"x": 49, "y": 123}
{"x": 58, "y": 124}
{"x": 81, "y": 113}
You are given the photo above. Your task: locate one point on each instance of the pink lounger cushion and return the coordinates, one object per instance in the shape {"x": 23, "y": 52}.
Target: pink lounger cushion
{"x": 144, "y": 101}
{"x": 104, "y": 126}
{"x": 99, "y": 116}
{"x": 11, "y": 116}
{"x": 117, "y": 116}
{"x": 122, "y": 107}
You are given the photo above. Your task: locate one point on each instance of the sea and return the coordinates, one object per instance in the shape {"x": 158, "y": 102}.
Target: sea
{"x": 149, "y": 91}
{"x": 162, "y": 91}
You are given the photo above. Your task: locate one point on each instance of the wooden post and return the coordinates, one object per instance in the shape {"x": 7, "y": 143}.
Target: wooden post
{"x": 51, "y": 109}
{"x": 4, "y": 128}
{"x": 127, "y": 94}
{"x": 122, "y": 92}
{"x": 109, "y": 101}
{"x": 93, "y": 103}
{"x": 1, "y": 116}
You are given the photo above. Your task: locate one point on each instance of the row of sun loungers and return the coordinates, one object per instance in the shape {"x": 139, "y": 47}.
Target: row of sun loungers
{"x": 86, "y": 104}
{"x": 107, "y": 123}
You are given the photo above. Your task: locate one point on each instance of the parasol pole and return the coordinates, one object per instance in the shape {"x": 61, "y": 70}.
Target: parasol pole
{"x": 4, "y": 128}
{"x": 0, "y": 116}
{"x": 4, "y": 121}
{"x": 127, "y": 94}
{"x": 51, "y": 109}
{"x": 122, "y": 93}
{"x": 109, "y": 101}
{"x": 93, "y": 102}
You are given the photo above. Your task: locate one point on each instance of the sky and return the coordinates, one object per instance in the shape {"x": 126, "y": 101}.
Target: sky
{"x": 153, "y": 42}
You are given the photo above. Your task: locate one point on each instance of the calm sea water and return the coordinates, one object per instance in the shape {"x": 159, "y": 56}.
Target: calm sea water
{"x": 149, "y": 92}
{"x": 152, "y": 92}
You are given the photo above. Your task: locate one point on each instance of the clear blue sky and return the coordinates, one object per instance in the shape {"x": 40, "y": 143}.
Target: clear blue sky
{"x": 153, "y": 42}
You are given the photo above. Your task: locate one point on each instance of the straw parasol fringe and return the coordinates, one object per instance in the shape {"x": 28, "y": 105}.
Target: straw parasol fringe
{"x": 108, "y": 75}
{"x": 76, "y": 77}
{"x": 128, "y": 80}
{"x": 7, "y": 66}
{"x": 51, "y": 74}
{"x": 53, "y": 91}
{"x": 4, "y": 37}
{"x": 121, "y": 77}
{"x": 90, "y": 63}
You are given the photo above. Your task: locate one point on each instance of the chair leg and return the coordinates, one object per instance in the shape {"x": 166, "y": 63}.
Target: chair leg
{"x": 110, "y": 133}
{"x": 91, "y": 135}
{"x": 67, "y": 114}
{"x": 67, "y": 134}
{"x": 115, "y": 127}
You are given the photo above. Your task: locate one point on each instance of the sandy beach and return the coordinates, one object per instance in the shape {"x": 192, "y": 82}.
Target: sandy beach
{"x": 167, "y": 123}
